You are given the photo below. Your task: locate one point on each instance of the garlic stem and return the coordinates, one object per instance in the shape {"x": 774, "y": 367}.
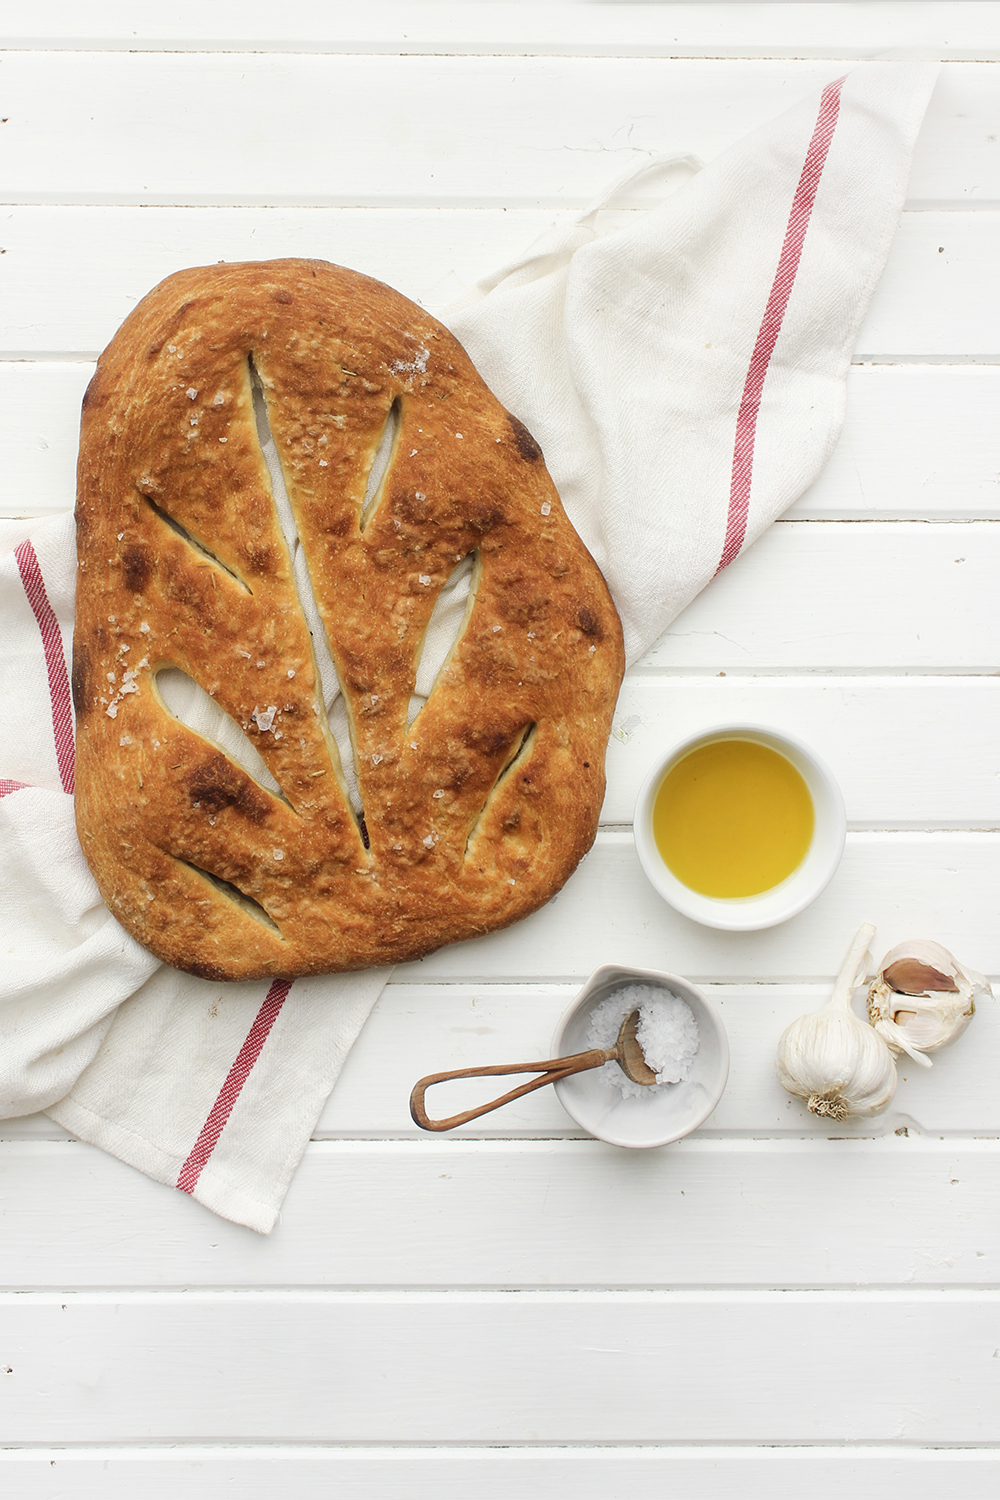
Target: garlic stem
{"x": 855, "y": 960}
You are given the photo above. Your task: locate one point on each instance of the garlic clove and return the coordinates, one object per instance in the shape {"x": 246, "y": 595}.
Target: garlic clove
{"x": 831, "y": 1058}
{"x": 922, "y": 999}
{"x": 911, "y": 976}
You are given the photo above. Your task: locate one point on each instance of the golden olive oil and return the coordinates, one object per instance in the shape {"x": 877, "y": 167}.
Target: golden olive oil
{"x": 733, "y": 818}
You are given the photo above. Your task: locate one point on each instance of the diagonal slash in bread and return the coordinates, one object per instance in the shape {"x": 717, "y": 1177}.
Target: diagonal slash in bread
{"x": 473, "y": 812}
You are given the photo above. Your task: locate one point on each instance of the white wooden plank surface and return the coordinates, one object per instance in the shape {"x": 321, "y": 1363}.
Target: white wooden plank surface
{"x": 942, "y": 462}
{"x": 864, "y": 638}
{"x": 863, "y": 596}
{"x": 456, "y": 1473}
{"x": 500, "y": 1214}
{"x": 923, "y": 602}
{"x": 918, "y": 440}
{"x": 963, "y": 28}
{"x": 70, "y": 275}
{"x": 523, "y": 1366}
{"x": 175, "y": 128}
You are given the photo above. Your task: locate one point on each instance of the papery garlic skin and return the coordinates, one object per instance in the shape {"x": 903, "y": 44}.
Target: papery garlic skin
{"x": 922, "y": 998}
{"x": 833, "y": 1059}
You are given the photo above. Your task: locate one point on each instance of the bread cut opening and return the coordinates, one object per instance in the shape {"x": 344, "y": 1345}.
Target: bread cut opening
{"x": 521, "y": 748}
{"x": 188, "y": 702}
{"x": 193, "y": 541}
{"x": 385, "y": 452}
{"x": 335, "y": 712}
{"x": 448, "y": 623}
{"x": 246, "y": 904}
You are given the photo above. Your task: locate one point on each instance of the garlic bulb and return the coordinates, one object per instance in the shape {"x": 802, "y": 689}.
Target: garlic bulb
{"x": 833, "y": 1059}
{"x": 923, "y": 998}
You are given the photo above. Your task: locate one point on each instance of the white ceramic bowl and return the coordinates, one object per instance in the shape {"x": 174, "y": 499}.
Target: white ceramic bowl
{"x": 658, "y": 1116}
{"x": 746, "y": 913}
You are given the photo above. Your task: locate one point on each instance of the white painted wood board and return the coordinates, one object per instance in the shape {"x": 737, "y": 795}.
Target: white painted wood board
{"x": 527, "y": 131}
{"x": 451, "y": 1213}
{"x": 962, "y": 28}
{"x": 454, "y": 1473}
{"x": 71, "y": 274}
{"x": 853, "y": 624}
{"x": 821, "y": 596}
{"x": 416, "y": 1030}
{"x": 931, "y": 754}
{"x": 521, "y": 1366}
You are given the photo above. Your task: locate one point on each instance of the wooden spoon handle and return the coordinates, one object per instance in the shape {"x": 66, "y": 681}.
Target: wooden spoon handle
{"x": 552, "y": 1070}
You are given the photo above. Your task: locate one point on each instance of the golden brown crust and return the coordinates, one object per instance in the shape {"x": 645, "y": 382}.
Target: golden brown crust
{"x": 479, "y": 810}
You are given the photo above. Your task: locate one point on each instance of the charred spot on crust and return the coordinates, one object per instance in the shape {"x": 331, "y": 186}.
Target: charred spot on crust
{"x": 211, "y": 972}
{"x": 526, "y": 445}
{"x": 489, "y": 741}
{"x": 512, "y": 821}
{"x": 216, "y": 784}
{"x": 260, "y": 557}
{"x": 136, "y": 568}
{"x": 485, "y": 517}
{"x": 457, "y": 777}
{"x": 81, "y": 679}
{"x": 587, "y": 621}
{"x": 94, "y": 395}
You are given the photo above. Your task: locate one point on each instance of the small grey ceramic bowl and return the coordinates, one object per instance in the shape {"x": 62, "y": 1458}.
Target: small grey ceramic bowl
{"x": 659, "y": 1116}
{"x": 803, "y": 885}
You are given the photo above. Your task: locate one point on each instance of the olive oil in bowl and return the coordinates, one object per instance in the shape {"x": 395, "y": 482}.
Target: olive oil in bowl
{"x": 739, "y": 826}
{"x": 733, "y": 818}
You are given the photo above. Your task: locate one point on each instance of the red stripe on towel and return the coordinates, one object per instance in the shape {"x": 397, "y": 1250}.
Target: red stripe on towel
{"x": 767, "y": 336}
{"x": 230, "y": 1091}
{"x": 6, "y": 787}
{"x": 55, "y": 660}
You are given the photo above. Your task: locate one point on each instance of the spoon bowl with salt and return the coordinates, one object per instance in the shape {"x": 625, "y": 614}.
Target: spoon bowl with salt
{"x": 640, "y": 1058}
{"x": 626, "y": 1052}
{"x": 683, "y": 1039}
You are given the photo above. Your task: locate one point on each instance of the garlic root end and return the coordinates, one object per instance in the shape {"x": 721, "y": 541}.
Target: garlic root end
{"x": 831, "y": 1104}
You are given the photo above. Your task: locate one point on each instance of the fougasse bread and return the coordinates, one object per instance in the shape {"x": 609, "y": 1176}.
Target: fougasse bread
{"x": 473, "y": 814}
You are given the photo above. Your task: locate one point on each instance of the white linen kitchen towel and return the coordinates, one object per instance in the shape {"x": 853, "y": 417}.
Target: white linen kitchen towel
{"x": 684, "y": 373}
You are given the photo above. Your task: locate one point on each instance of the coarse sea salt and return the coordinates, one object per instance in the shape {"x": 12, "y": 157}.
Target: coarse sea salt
{"x": 667, "y": 1033}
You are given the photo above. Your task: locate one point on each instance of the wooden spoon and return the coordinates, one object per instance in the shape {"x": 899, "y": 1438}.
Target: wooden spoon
{"x": 626, "y": 1052}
